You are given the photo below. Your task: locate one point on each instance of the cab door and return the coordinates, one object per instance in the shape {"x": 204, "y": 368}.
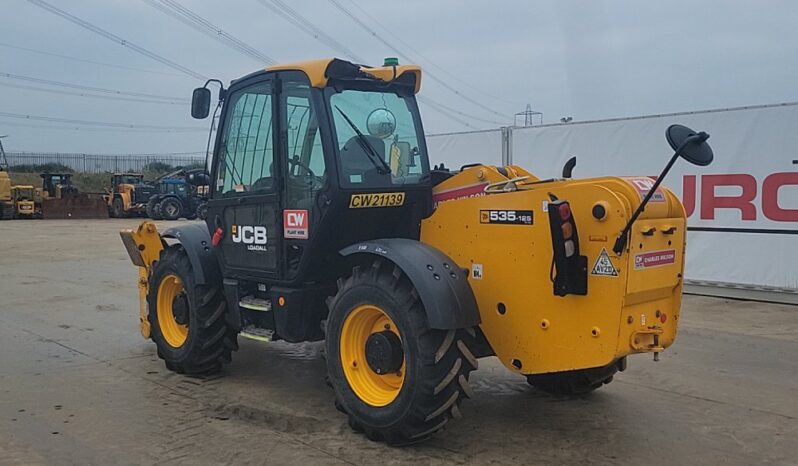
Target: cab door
{"x": 245, "y": 196}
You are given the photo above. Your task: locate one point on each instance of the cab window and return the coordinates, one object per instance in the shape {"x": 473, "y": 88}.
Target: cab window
{"x": 306, "y": 170}
{"x": 246, "y": 152}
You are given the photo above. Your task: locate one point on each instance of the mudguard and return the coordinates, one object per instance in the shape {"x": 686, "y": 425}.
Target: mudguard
{"x": 196, "y": 241}
{"x": 441, "y": 284}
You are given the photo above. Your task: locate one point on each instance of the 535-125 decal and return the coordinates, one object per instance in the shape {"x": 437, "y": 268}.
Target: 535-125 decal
{"x": 506, "y": 217}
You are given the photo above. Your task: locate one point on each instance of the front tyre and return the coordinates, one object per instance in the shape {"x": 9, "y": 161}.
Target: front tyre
{"x": 117, "y": 208}
{"x": 187, "y": 320}
{"x": 397, "y": 379}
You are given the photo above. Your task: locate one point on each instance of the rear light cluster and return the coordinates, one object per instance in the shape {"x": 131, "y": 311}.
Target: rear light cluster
{"x": 570, "y": 267}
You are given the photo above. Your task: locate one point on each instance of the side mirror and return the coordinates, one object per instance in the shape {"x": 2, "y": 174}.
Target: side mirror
{"x": 694, "y": 147}
{"x": 201, "y": 103}
{"x": 686, "y": 144}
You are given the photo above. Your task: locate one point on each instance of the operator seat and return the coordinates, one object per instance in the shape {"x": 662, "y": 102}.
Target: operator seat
{"x": 355, "y": 160}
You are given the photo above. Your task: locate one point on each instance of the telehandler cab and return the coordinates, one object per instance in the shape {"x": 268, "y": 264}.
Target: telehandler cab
{"x": 326, "y": 222}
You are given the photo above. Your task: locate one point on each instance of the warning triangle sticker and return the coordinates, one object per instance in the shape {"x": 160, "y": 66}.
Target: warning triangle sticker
{"x": 603, "y": 265}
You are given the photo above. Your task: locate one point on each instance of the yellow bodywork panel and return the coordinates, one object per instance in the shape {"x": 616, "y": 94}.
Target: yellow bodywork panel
{"x": 144, "y": 246}
{"x": 511, "y": 265}
{"x": 316, "y": 70}
{"x": 5, "y": 186}
{"x": 125, "y": 192}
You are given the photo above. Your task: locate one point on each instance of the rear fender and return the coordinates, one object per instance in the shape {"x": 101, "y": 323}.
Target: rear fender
{"x": 441, "y": 284}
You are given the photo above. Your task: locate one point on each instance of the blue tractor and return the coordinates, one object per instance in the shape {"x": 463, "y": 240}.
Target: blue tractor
{"x": 180, "y": 194}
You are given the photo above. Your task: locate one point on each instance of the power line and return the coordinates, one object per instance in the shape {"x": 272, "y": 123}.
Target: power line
{"x": 404, "y": 56}
{"x": 143, "y": 154}
{"x": 112, "y": 37}
{"x": 308, "y": 27}
{"x": 429, "y": 101}
{"x": 93, "y": 96}
{"x": 195, "y": 21}
{"x": 175, "y": 129}
{"x": 68, "y": 57}
{"x": 449, "y": 115}
{"x": 91, "y": 88}
{"x": 80, "y": 128}
{"x": 295, "y": 18}
{"x": 427, "y": 60}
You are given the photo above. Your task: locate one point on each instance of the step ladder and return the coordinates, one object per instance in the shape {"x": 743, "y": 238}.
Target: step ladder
{"x": 255, "y": 304}
{"x": 252, "y": 332}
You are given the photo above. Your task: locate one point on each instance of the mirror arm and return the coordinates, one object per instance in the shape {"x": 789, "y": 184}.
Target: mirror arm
{"x": 620, "y": 242}
{"x": 222, "y": 90}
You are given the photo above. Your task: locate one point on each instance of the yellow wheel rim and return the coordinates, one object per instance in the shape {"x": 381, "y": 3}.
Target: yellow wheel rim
{"x": 374, "y": 389}
{"x": 174, "y": 333}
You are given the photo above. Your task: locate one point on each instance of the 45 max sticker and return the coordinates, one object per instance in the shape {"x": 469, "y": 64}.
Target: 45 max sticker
{"x": 254, "y": 236}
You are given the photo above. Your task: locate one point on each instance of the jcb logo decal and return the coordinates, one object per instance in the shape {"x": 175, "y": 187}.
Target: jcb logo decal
{"x": 252, "y": 235}
{"x": 361, "y": 201}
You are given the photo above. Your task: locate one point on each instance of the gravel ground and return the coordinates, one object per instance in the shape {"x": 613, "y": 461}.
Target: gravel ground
{"x": 78, "y": 384}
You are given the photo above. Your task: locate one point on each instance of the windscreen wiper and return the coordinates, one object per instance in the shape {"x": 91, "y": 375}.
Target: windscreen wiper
{"x": 371, "y": 152}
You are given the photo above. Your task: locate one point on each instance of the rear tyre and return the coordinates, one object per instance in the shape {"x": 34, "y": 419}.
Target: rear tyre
{"x": 397, "y": 380}
{"x": 118, "y": 208}
{"x": 202, "y": 211}
{"x": 571, "y": 383}
{"x": 170, "y": 208}
{"x": 187, "y": 320}
{"x": 152, "y": 210}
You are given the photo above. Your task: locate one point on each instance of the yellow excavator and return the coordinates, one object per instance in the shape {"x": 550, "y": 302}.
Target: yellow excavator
{"x": 325, "y": 221}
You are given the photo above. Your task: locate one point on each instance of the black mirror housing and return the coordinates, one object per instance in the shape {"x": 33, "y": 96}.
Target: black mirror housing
{"x": 200, "y": 103}
{"x": 690, "y": 145}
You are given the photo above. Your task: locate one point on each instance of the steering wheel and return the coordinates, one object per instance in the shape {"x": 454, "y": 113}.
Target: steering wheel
{"x": 308, "y": 180}
{"x": 294, "y": 162}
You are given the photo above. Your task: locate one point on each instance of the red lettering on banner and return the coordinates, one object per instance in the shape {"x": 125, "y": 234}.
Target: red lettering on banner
{"x": 770, "y": 197}
{"x": 743, "y": 202}
{"x": 688, "y": 194}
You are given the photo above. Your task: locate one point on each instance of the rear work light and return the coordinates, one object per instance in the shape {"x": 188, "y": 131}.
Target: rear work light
{"x": 569, "y": 269}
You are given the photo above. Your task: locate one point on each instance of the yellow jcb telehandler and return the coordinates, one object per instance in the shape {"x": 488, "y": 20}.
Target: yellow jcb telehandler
{"x": 325, "y": 221}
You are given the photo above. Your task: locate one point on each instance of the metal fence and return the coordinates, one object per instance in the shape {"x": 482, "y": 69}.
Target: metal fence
{"x": 100, "y": 163}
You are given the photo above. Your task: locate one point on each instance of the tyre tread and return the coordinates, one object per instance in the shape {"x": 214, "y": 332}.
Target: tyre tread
{"x": 445, "y": 360}
{"x": 215, "y": 338}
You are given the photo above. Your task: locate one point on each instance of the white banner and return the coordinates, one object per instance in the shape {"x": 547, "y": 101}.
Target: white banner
{"x": 458, "y": 149}
{"x": 743, "y": 209}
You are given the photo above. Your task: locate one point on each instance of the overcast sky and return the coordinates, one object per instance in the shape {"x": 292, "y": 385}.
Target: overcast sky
{"x": 588, "y": 60}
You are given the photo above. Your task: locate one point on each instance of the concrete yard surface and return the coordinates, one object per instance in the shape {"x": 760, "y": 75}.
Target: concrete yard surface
{"x": 78, "y": 384}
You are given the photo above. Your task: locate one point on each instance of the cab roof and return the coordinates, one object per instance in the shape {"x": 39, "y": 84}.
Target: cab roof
{"x": 322, "y": 70}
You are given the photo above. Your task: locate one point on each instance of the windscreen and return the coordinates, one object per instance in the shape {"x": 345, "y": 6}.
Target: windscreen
{"x": 379, "y": 139}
